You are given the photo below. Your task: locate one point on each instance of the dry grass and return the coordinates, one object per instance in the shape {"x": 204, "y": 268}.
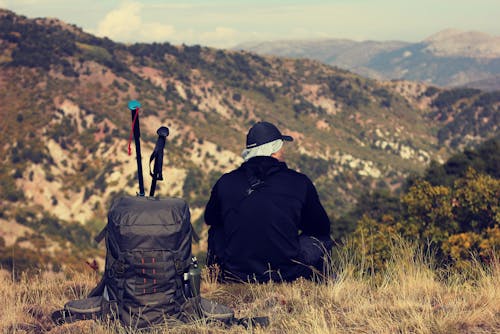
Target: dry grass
{"x": 409, "y": 296}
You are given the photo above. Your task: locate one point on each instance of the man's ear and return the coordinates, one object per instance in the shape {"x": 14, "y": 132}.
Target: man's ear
{"x": 279, "y": 155}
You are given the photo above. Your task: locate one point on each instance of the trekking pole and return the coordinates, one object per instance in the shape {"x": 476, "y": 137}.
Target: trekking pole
{"x": 134, "y": 107}
{"x": 157, "y": 156}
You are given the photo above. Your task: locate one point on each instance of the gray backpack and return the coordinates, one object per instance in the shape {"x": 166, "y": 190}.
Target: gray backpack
{"x": 150, "y": 277}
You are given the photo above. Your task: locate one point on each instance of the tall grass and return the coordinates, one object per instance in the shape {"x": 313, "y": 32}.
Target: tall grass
{"x": 410, "y": 295}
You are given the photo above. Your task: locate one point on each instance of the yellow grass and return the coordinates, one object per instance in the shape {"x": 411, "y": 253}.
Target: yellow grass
{"x": 409, "y": 296}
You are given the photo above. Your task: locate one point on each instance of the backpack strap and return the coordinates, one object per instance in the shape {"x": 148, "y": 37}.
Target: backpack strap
{"x": 157, "y": 157}
{"x": 195, "y": 235}
{"x": 254, "y": 180}
{"x": 98, "y": 238}
{"x": 252, "y": 322}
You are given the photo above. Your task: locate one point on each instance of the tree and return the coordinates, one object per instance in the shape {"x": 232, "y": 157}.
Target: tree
{"x": 428, "y": 213}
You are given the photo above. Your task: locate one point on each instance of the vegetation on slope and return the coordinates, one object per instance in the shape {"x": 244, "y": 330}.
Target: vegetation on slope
{"x": 65, "y": 126}
{"x": 454, "y": 210}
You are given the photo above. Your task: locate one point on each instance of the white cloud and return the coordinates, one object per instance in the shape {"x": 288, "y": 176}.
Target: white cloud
{"x": 195, "y": 21}
{"x": 157, "y": 31}
{"x": 171, "y": 6}
{"x": 221, "y": 36}
{"x": 18, "y": 2}
{"x": 126, "y": 24}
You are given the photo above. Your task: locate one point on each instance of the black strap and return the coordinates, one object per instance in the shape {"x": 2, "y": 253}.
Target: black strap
{"x": 157, "y": 156}
{"x": 61, "y": 317}
{"x": 252, "y": 322}
{"x": 98, "y": 238}
{"x": 254, "y": 180}
{"x": 195, "y": 235}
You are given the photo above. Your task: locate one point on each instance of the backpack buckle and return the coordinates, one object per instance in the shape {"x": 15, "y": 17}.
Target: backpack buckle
{"x": 117, "y": 269}
{"x": 179, "y": 268}
{"x": 254, "y": 186}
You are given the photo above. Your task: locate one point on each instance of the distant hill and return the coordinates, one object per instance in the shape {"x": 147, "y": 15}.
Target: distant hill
{"x": 449, "y": 58}
{"x": 342, "y": 53}
{"x": 489, "y": 84}
{"x": 65, "y": 126}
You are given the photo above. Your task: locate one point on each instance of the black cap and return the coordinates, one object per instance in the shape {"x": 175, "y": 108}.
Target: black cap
{"x": 262, "y": 133}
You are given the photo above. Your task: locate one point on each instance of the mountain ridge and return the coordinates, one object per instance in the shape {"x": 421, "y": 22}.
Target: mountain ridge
{"x": 454, "y": 58}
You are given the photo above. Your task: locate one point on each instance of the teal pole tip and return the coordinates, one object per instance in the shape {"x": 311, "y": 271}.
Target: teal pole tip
{"x": 134, "y": 104}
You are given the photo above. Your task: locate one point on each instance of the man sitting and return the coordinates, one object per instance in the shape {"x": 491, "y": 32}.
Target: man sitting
{"x": 266, "y": 220}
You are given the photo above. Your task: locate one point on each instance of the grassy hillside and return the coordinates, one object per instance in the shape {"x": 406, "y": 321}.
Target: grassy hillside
{"x": 408, "y": 296}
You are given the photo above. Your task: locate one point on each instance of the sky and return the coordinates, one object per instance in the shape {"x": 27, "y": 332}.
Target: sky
{"x": 226, "y": 23}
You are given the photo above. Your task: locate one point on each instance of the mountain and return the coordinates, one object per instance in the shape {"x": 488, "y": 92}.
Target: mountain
{"x": 342, "y": 53}
{"x": 65, "y": 128}
{"x": 490, "y": 84}
{"x": 470, "y": 44}
{"x": 448, "y": 58}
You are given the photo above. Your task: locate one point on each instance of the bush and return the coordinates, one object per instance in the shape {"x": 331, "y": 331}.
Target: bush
{"x": 487, "y": 99}
{"x": 8, "y": 189}
{"x": 267, "y": 92}
{"x": 347, "y": 91}
{"x": 21, "y": 260}
{"x": 453, "y": 211}
{"x": 456, "y": 223}
{"x": 315, "y": 167}
{"x": 237, "y": 97}
{"x": 448, "y": 98}
{"x": 431, "y": 91}
{"x": 39, "y": 45}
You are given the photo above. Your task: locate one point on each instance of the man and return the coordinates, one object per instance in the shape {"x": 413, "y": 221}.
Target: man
{"x": 266, "y": 220}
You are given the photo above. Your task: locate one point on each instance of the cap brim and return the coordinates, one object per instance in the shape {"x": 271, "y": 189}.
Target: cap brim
{"x": 287, "y": 138}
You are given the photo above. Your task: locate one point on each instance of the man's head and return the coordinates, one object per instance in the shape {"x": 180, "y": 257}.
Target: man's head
{"x": 264, "y": 139}
{"x": 264, "y": 132}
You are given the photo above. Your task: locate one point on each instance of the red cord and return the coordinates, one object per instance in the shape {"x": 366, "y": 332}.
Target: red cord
{"x": 132, "y": 132}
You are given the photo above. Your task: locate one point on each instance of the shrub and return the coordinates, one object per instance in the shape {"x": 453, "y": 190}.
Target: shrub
{"x": 448, "y": 98}
{"x": 456, "y": 223}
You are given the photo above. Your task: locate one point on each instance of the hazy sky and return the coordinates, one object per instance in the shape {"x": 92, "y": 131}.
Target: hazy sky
{"x": 225, "y": 23}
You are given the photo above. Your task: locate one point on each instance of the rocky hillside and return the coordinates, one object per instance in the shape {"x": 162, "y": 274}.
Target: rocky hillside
{"x": 448, "y": 58}
{"x": 65, "y": 126}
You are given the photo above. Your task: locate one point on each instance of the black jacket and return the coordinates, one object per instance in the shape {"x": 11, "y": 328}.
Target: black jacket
{"x": 254, "y": 233}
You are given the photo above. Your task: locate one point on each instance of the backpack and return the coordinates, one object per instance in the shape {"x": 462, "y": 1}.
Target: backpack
{"x": 150, "y": 277}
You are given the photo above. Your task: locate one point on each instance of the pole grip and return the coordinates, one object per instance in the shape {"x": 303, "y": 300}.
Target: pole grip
{"x": 157, "y": 156}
